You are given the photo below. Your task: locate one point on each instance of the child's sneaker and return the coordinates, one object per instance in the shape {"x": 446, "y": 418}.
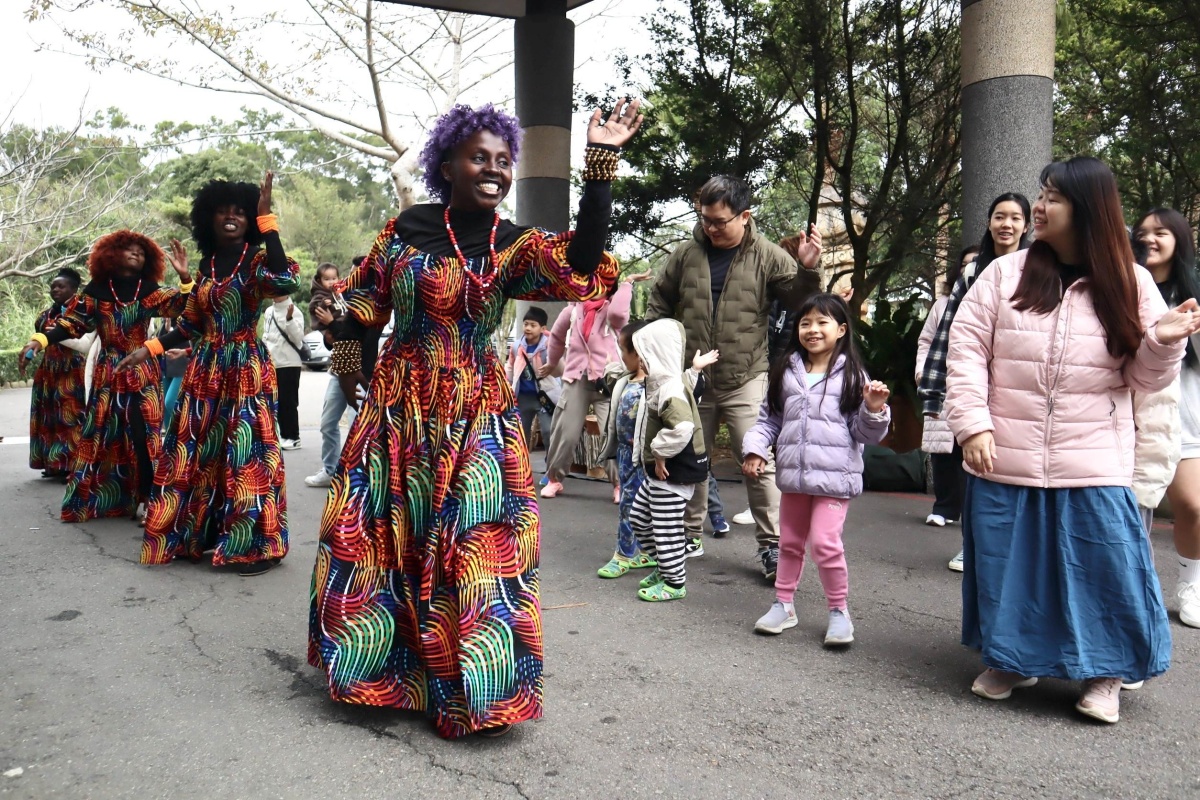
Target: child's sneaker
{"x": 694, "y": 548}
{"x": 720, "y": 525}
{"x": 840, "y": 631}
{"x": 650, "y": 580}
{"x": 777, "y": 620}
{"x": 617, "y": 566}
{"x": 661, "y": 592}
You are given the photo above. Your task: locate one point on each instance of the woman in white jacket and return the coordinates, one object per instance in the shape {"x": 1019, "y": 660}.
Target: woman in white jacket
{"x": 283, "y": 333}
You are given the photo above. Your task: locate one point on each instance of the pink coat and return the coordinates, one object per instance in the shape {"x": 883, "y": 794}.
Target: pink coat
{"x": 602, "y": 348}
{"x": 1057, "y": 403}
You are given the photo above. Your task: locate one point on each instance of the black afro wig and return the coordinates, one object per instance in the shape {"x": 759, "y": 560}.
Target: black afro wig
{"x": 218, "y": 194}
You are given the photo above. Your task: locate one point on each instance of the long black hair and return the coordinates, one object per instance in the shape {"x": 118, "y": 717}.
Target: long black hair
{"x": 987, "y": 245}
{"x": 854, "y": 375}
{"x": 1182, "y": 283}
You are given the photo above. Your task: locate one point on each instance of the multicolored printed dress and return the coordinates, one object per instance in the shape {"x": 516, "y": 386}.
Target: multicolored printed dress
{"x": 425, "y": 591}
{"x": 108, "y": 475}
{"x": 219, "y": 483}
{"x": 56, "y": 406}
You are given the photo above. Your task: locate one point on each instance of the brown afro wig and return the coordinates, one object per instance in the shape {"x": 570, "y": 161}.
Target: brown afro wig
{"x": 106, "y": 254}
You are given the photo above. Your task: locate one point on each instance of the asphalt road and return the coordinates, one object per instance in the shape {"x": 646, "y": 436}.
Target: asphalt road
{"x": 124, "y": 681}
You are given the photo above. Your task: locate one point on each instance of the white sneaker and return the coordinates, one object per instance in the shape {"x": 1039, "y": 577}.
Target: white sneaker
{"x": 936, "y": 520}
{"x": 777, "y": 620}
{"x": 744, "y": 518}
{"x": 1189, "y": 603}
{"x": 289, "y": 444}
{"x": 956, "y": 563}
{"x": 319, "y": 481}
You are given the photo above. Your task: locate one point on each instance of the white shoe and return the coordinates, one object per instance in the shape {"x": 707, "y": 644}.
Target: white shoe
{"x": 744, "y": 518}
{"x": 289, "y": 444}
{"x": 1189, "y": 603}
{"x": 956, "y": 563}
{"x": 319, "y": 481}
{"x": 1132, "y": 687}
{"x": 936, "y": 520}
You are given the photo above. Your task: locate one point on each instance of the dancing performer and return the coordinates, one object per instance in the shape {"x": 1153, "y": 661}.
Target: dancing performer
{"x": 219, "y": 484}
{"x": 112, "y": 469}
{"x": 58, "y": 399}
{"x": 425, "y": 590}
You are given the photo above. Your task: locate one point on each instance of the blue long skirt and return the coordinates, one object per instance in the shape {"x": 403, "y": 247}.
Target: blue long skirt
{"x": 1060, "y": 583}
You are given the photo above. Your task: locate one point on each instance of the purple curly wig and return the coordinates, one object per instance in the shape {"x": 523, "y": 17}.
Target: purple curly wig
{"x": 455, "y": 127}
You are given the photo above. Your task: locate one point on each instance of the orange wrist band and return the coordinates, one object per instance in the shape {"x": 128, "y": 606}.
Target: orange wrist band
{"x": 268, "y": 223}
{"x": 154, "y": 346}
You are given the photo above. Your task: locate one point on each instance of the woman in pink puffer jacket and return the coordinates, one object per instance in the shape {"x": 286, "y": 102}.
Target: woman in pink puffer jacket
{"x": 1044, "y": 352}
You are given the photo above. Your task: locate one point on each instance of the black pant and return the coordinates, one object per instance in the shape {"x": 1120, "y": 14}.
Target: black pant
{"x": 288, "y": 379}
{"x": 138, "y": 437}
{"x": 949, "y": 483}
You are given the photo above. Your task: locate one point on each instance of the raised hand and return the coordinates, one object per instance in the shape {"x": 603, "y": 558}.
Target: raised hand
{"x": 640, "y": 276}
{"x": 177, "y": 255}
{"x": 264, "y": 194}
{"x": 702, "y": 360}
{"x": 875, "y": 395}
{"x": 1179, "y": 323}
{"x": 619, "y": 128}
{"x": 808, "y": 247}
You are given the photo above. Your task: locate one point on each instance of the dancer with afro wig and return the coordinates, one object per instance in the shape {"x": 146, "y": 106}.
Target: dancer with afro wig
{"x": 425, "y": 590}
{"x": 57, "y": 402}
{"x": 112, "y": 467}
{"x": 219, "y": 483}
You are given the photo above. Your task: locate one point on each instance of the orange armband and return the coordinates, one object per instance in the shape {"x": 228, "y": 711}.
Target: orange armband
{"x": 268, "y": 223}
{"x": 154, "y": 346}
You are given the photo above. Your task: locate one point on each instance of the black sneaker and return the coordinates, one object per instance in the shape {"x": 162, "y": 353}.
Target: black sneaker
{"x": 693, "y": 548}
{"x": 770, "y": 561}
{"x": 258, "y": 568}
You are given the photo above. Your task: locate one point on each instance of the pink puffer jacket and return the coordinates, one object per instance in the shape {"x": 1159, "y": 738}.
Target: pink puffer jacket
{"x": 1058, "y": 404}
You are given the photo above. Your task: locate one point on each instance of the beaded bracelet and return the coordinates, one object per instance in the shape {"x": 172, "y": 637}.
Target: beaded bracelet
{"x": 41, "y": 339}
{"x": 600, "y": 163}
{"x": 346, "y": 357}
{"x": 268, "y": 223}
{"x": 154, "y": 346}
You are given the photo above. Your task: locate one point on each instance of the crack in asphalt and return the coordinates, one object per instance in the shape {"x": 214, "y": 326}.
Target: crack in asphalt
{"x": 55, "y": 514}
{"x": 185, "y": 623}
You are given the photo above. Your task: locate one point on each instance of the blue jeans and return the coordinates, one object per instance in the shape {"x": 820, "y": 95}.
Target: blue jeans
{"x": 714, "y": 497}
{"x": 331, "y": 420}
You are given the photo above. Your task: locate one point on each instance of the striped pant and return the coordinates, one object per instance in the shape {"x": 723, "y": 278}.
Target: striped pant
{"x": 657, "y": 519}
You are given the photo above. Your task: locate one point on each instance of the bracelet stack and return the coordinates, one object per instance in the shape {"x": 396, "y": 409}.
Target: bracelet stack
{"x": 600, "y": 163}
{"x": 345, "y": 358}
{"x": 268, "y": 223}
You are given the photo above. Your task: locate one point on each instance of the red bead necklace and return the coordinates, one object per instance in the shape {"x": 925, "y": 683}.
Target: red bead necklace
{"x": 212, "y": 268}
{"x": 121, "y": 304}
{"x": 483, "y": 280}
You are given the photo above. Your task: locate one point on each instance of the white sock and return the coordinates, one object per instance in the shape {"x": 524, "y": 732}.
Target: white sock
{"x": 788, "y": 607}
{"x": 1189, "y": 570}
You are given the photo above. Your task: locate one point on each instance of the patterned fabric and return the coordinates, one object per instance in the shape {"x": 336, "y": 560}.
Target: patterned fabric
{"x": 425, "y": 591}
{"x": 932, "y": 386}
{"x": 630, "y": 473}
{"x": 56, "y": 406}
{"x": 104, "y": 472}
{"x": 220, "y": 483}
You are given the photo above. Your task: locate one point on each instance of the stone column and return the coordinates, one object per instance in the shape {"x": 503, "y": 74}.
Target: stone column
{"x": 544, "y": 62}
{"x": 1007, "y": 102}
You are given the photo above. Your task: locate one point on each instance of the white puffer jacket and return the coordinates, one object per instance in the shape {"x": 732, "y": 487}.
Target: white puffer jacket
{"x": 1156, "y": 447}
{"x": 936, "y": 436}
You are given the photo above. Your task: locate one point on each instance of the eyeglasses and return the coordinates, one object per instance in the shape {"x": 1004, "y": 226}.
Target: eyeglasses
{"x": 715, "y": 224}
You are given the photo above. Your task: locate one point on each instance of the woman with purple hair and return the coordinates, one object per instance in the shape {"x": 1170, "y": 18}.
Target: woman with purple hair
{"x": 425, "y": 590}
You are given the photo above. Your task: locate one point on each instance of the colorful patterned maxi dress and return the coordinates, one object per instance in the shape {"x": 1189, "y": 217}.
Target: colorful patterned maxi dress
{"x": 107, "y": 475}
{"x": 57, "y": 404}
{"x": 425, "y": 591}
{"x": 219, "y": 482}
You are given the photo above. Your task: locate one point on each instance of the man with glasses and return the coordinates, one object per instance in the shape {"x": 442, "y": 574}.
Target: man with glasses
{"x": 720, "y": 284}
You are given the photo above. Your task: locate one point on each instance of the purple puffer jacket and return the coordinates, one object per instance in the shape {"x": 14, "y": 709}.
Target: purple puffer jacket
{"x": 818, "y": 449}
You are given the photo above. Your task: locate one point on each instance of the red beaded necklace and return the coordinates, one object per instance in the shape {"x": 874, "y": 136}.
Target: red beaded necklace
{"x": 212, "y": 268}
{"x": 483, "y": 280}
{"x": 121, "y": 304}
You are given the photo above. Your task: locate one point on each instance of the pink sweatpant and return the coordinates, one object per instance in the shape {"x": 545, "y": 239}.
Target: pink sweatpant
{"x": 817, "y": 521}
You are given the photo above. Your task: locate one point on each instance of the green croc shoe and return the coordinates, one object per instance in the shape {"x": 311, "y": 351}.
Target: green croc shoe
{"x": 615, "y": 568}
{"x": 660, "y": 593}
{"x": 642, "y": 561}
{"x": 650, "y": 580}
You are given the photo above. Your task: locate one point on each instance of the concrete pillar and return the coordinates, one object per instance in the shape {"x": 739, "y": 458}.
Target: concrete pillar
{"x": 1007, "y": 102}
{"x": 544, "y": 63}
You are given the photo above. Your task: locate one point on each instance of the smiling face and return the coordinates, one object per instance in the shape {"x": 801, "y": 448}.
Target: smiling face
{"x": 1159, "y": 242}
{"x": 61, "y": 290}
{"x": 1052, "y": 218}
{"x": 230, "y": 224}
{"x": 1007, "y": 224}
{"x": 479, "y": 172}
{"x": 819, "y": 334}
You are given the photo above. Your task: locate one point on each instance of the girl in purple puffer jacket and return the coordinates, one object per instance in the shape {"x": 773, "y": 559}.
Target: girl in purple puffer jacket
{"x": 820, "y": 410}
